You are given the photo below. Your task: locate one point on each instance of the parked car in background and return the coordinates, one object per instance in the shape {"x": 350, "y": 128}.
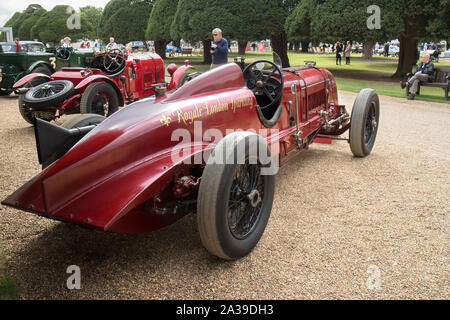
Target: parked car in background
{"x": 34, "y": 59}
{"x": 136, "y": 45}
{"x": 112, "y": 79}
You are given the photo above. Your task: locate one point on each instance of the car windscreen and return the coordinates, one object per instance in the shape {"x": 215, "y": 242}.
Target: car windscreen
{"x": 33, "y": 47}
{"x": 7, "y": 47}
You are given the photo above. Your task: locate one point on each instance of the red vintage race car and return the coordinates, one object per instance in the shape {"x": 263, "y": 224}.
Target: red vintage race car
{"x": 113, "y": 79}
{"x": 187, "y": 151}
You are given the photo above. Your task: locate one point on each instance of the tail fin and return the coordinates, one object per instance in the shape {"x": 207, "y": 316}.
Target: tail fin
{"x": 53, "y": 141}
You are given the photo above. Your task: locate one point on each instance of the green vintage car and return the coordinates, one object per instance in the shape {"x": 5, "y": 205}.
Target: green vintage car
{"x": 34, "y": 58}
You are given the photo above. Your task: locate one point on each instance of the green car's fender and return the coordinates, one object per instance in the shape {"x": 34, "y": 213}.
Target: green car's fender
{"x": 50, "y": 65}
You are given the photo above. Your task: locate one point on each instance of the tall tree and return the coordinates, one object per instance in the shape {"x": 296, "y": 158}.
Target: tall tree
{"x": 407, "y": 20}
{"x": 195, "y": 19}
{"x": 125, "y": 20}
{"x": 340, "y": 20}
{"x": 298, "y": 23}
{"x": 158, "y": 28}
{"x": 22, "y": 22}
{"x": 53, "y": 26}
{"x": 277, "y": 12}
{"x": 93, "y": 15}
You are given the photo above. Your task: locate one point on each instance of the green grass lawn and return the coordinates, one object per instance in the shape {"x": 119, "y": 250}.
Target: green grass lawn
{"x": 8, "y": 286}
{"x": 361, "y": 73}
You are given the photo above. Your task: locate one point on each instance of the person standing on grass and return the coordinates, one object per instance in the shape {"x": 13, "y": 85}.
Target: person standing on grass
{"x": 347, "y": 52}
{"x": 18, "y": 45}
{"x": 386, "y": 50}
{"x": 424, "y": 73}
{"x": 219, "y": 49}
{"x": 338, "y": 53}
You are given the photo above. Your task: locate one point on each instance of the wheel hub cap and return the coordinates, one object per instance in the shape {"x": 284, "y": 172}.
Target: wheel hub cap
{"x": 254, "y": 198}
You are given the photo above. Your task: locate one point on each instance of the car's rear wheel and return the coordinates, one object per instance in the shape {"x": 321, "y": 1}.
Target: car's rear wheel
{"x": 99, "y": 98}
{"x": 364, "y": 122}
{"x": 83, "y": 120}
{"x": 235, "y": 198}
{"x": 48, "y": 94}
{"x": 25, "y": 112}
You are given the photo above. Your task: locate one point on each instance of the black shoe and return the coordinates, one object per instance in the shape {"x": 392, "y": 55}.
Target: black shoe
{"x": 411, "y": 97}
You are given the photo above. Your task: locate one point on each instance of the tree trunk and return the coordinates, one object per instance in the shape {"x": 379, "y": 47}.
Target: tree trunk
{"x": 207, "y": 57}
{"x": 279, "y": 45}
{"x": 297, "y": 46}
{"x": 160, "y": 48}
{"x": 242, "y": 45}
{"x": 291, "y": 45}
{"x": 408, "y": 53}
{"x": 368, "y": 49}
{"x": 305, "y": 45}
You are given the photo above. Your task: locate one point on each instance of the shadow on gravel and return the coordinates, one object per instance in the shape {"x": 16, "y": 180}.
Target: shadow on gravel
{"x": 104, "y": 258}
{"x": 10, "y": 97}
{"x": 111, "y": 262}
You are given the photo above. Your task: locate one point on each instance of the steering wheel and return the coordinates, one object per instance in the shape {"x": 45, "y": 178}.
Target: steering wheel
{"x": 63, "y": 53}
{"x": 113, "y": 61}
{"x": 265, "y": 78}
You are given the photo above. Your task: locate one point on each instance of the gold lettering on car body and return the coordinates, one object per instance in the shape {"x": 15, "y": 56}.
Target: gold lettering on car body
{"x": 241, "y": 102}
{"x": 188, "y": 117}
{"x": 166, "y": 120}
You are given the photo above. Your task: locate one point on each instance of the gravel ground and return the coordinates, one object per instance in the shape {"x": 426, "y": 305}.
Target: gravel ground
{"x": 337, "y": 223}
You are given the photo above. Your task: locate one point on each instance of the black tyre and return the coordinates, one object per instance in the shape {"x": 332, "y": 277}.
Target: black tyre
{"x": 99, "y": 98}
{"x": 43, "y": 70}
{"x": 235, "y": 200}
{"x": 83, "y": 120}
{"x": 49, "y": 94}
{"x": 5, "y": 92}
{"x": 364, "y": 122}
{"x": 23, "y": 109}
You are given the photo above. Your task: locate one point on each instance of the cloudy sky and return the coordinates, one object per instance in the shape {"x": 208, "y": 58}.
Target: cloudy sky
{"x": 8, "y": 7}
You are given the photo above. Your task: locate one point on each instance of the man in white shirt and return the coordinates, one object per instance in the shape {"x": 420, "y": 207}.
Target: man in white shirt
{"x": 111, "y": 45}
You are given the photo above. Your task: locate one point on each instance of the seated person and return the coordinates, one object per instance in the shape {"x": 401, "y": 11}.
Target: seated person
{"x": 424, "y": 73}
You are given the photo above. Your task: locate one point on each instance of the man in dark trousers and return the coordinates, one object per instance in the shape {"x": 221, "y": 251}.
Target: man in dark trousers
{"x": 424, "y": 73}
{"x": 386, "y": 49}
{"x": 219, "y": 49}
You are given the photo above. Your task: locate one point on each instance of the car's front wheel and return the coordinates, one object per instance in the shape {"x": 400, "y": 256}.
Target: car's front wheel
{"x": 99, "y": 98}
{"x": 364, "y": 122}
{"x": 235, "y": 198}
